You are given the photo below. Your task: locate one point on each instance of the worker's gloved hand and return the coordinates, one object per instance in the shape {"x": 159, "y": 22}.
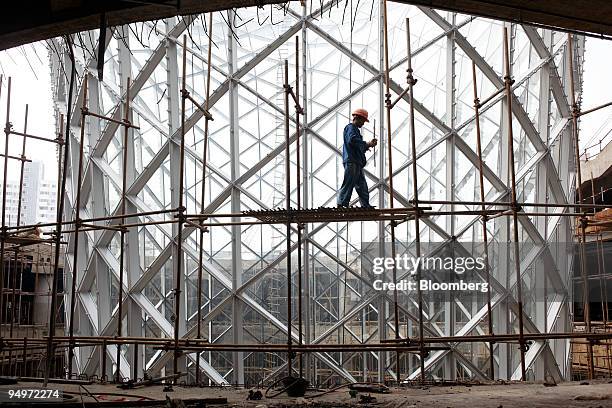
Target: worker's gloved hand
{"x": 373, "y": 143}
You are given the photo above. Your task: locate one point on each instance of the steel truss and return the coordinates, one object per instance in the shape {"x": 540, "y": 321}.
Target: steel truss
{"x": 152, "y": 171}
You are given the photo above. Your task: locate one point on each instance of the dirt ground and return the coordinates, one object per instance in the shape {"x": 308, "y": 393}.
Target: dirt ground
{"x": 571, "y": 394}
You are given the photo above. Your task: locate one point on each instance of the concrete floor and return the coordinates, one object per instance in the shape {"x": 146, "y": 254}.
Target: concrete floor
{"x": 572, "y": 394}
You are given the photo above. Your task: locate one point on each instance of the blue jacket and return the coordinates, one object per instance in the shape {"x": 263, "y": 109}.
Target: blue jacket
{"x": 354, "y": 148}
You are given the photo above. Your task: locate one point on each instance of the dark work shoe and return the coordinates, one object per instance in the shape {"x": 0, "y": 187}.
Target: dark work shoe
{"x": 342, "y": 206}
{"x": 369, "y": 207}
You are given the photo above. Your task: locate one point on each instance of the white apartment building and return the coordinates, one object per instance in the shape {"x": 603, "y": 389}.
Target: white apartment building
{"x": 38, "y": 200}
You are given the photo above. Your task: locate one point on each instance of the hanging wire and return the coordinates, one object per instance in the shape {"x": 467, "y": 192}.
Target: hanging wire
{"x": 154, "y": 28}
{"x": 354, "y": 19}
{"x": 258, "y": 20}
{"x": 237, "y": 16}
{"x": 271, "y": 17}
{"x": 137, "y": 36}
{"x": 122, "y": 37}
{"x": 25, "y": 55}
{"x": 231, "y": 28}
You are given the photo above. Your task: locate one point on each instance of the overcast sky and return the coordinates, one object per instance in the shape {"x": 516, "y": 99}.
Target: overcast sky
{"x": 597, "y": 90}
{"x": 31, "y": 85}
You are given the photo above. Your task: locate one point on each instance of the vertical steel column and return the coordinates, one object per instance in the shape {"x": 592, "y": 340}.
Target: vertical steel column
{"x": 485, "y": 233}
{"x": 415, "y": 192}
{"x": 126, "y": 129}
{"x": 583, "y": 218}
{"x": 450, "y": 119}
{"x": 234, "y": 127}
{"x": 77, "y": 227}
{"x": 542, "y": 196}
{"x": 96, "y": 265}
{"x": 174, "y": 125}
{"x": 514, "y": 206}
{"x": 202, "y": 205}
{"x": 131, "y": 265}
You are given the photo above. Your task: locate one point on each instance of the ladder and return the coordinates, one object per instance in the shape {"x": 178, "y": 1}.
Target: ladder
{"x": 276, "y": 298}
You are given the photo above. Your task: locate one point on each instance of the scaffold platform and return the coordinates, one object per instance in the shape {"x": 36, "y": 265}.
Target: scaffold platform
{"x": 334, "y": 214}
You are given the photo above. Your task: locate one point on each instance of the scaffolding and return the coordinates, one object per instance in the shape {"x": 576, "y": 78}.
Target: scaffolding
{"x": 129, "y": 205}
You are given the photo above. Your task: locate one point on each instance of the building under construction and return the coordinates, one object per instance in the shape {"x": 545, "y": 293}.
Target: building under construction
{"x": 198, "y": 243}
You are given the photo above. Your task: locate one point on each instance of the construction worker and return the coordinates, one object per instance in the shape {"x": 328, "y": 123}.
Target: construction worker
{"x": 354, "y": 160}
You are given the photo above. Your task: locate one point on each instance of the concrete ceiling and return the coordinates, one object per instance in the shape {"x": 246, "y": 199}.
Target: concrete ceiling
{"x": 589, "y": 16}
{"x": 28, "y": 21}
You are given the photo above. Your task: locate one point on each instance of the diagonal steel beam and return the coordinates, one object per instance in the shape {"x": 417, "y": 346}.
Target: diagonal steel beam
{"x": 489, "y": 72}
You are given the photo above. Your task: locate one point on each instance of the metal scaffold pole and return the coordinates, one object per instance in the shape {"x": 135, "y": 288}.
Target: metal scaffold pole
{"x": 415, "y": 193}
{"x": 390, "y": 170}
{"x": 288, "y": 225}
{"x": 514, "y": 208}
{"x": 484, "y": 217}
{"x": 181, "y": 219}
{"x": 19, "y": 262}
{"x": 299, "y": 200}
{"x": 22, "y": 165}
{"x": 288, "y": 91}
{"x": 305, "y": 314}
{"x": 7, "y": 132}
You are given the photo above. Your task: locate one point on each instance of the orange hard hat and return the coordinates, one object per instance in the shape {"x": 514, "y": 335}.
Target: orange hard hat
{"x": 361, "y": 112}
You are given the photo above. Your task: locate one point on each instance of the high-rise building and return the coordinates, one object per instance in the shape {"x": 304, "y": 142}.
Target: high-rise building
{"x": 38, "y": 197}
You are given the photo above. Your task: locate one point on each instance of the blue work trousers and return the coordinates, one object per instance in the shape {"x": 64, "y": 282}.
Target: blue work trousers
{"x": 353, "y": 178}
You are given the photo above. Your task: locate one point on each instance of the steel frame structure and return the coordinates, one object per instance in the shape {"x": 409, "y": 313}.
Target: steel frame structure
{"x": 341, "y": 58}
